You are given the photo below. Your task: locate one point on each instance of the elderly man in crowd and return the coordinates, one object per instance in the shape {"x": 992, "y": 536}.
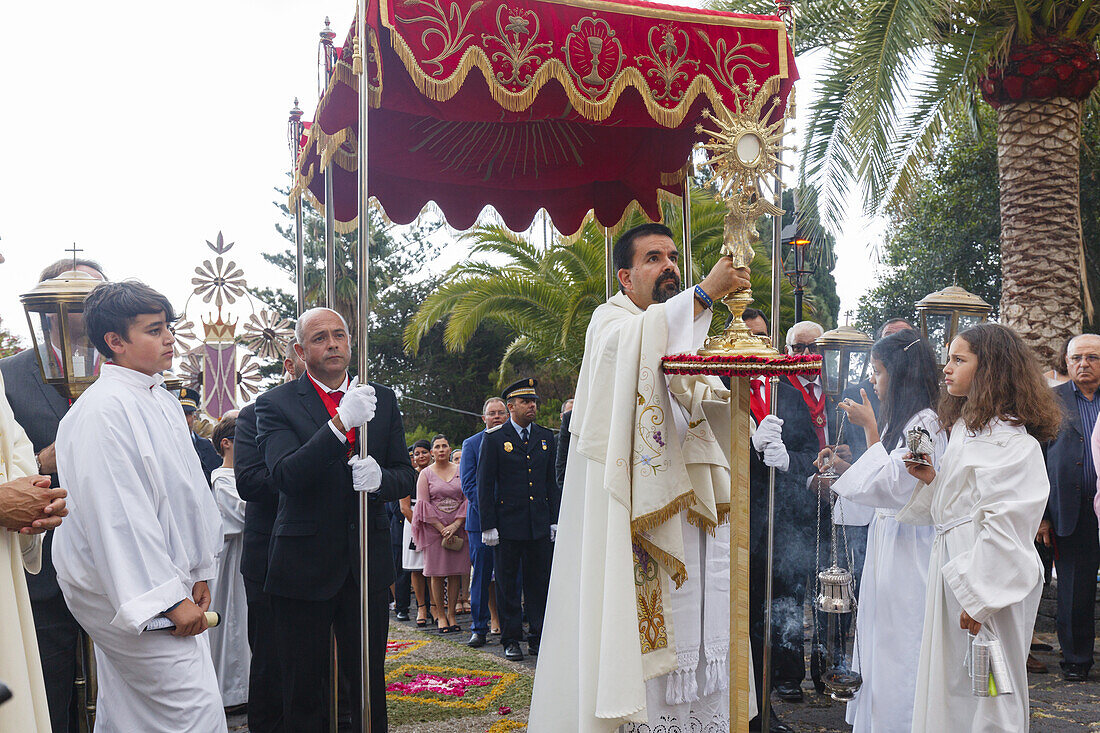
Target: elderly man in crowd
{"x": 38, "y": 408}
{"x": 309, "y": 432}
{"x": 1070, "y": 524}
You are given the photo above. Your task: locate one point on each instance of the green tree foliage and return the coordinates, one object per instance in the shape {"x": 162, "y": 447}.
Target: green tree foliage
{"x": 460, "y": 382}
{"x": 9, "y": 342}
{"x": 949, "y": 232}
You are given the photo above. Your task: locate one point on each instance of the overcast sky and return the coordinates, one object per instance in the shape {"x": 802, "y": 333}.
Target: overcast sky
{"x": 139, "y": 130}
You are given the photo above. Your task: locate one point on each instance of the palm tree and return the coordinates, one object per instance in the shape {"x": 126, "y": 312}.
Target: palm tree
{"x": 900, "y": 73}
{"x": 546, "y": 296}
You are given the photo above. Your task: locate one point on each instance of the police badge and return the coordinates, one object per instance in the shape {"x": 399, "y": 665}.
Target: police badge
{"x": 544, "y": 445}
{"x": 507, "y": 446}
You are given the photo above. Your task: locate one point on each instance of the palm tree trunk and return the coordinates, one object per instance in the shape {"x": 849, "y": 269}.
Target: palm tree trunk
{"x": 1037, "y": 155}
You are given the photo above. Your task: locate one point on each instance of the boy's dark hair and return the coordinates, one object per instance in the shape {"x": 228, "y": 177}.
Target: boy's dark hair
{"x": 65, "y": 264}
{"x": 225, "y": 428}
{"x": 623, "y": 252}
{"x": 112, "y": 308}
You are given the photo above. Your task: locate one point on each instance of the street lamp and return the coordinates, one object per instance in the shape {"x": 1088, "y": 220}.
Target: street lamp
{"x": 845, "y": 353}
{"x": 944, "y": 313}
{"x": 55, "y": 314}
{"x": 800, "y": 261}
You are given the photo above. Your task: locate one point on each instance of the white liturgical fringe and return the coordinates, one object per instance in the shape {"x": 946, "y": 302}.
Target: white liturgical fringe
{"x": 701, "y": 604}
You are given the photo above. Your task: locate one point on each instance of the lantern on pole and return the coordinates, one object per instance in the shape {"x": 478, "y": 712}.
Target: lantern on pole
{"x": 845, "y": 354}
{"x": 55, "y": 313}
{"x": 944, "y": 313}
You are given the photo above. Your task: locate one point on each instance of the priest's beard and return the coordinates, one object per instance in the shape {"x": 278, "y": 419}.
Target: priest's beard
{"x": 667, "y": 285}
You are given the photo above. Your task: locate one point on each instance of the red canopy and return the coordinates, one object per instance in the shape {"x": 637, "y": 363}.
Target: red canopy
{"x": 577, "y": 105}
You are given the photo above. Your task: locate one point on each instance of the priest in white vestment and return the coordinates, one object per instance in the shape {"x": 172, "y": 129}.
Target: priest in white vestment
{"x": 637, "y": 619}
{"x": 144, "y": 530}
{"x": 20, "y": 668}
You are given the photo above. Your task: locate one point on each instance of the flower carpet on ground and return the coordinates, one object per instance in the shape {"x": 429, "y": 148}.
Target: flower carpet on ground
{"x": 452, "y": 687}
{"x": 397, "y": 648}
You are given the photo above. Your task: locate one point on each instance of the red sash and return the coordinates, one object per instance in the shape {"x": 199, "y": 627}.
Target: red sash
{"x": 761, "y": 408}
{"x": 330, "y": 404}
{"x": 817, "y": 410}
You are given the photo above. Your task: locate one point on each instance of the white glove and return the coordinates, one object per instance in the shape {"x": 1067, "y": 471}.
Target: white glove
{"x": 490, "y": 538}
{"x": 775, "y": 454}
{"x": 768, "y": 431}
{"x": 553, "y": 532}
{"x": 366, "y": 474}
{"x": 357, "y": 407}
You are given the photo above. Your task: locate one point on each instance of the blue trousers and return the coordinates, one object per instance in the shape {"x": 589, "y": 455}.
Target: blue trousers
{"x": 481, "y": 560}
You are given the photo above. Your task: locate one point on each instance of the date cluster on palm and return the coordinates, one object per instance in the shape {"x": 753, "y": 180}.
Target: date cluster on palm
{"x": 1049, "y": 67}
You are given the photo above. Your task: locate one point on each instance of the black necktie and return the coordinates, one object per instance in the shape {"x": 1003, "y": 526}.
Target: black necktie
{"x": 523, "y": 435}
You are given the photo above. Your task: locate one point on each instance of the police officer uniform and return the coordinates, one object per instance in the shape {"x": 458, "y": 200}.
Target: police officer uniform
{"x": 519, "y": 497}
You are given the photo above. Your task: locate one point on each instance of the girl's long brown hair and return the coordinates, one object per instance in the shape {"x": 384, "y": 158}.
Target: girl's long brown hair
{"x": 1007, "y": 384}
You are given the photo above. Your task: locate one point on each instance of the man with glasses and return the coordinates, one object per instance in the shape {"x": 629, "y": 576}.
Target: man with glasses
{"x": 1070, "y": 523}
{"x": 801, "y": 340}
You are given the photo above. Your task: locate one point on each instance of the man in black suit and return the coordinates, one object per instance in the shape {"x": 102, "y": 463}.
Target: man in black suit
{"x": 1070, "y": 522}
{"x": 265, "y": 700}
{"x": 38, "y": 408}
{"x": 794, "y": 520}
{"x": 519, "y": 499}
{"x": 307, "y": 433}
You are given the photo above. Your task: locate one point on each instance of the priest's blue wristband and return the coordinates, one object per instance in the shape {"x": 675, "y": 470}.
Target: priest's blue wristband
{"x": 703, "y": 297}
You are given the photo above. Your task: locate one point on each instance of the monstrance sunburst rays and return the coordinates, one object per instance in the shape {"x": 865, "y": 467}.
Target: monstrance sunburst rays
{"x": 744, "y": 159}
{"x": 267, "y": 335}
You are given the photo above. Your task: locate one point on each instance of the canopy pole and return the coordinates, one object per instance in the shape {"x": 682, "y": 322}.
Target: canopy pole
{"x": 294, "y": 135}
{"x": 327, "y": 34}
{"x": 609, "y": 263}
{"x": 362, "y": 278}
{"x": 773, "y": 387}
{"x": 685, "y": 209}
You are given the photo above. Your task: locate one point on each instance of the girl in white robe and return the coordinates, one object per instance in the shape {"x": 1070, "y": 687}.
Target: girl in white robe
{"x": 229, "y": 640}
{"x": 895, "y": 574}
{"x": 986, "y": 502}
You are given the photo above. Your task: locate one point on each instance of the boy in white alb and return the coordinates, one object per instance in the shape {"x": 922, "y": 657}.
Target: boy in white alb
{"x": 144, "y": 531}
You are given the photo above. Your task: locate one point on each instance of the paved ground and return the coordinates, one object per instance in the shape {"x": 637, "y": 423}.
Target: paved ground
{"x": 1056, "y": 706}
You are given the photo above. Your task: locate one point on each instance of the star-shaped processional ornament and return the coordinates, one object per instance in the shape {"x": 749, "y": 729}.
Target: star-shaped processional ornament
{"x": 248, "y": 378}
{"x": 266, "y": 335}
{"x": 186, "y": 339}
{"x": 744, "y": 159}
{"x": 191, "y": 369}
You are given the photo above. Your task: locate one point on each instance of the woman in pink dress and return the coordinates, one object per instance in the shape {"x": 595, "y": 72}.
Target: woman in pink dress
{"x": 438, "y": 527}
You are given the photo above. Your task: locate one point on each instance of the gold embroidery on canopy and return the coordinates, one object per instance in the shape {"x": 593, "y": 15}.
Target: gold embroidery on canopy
{"x": 441, "y": 21}
{"x": 516, "y": 54}
{"x": 669, "y": 62}
{"x": 589, "y": 46}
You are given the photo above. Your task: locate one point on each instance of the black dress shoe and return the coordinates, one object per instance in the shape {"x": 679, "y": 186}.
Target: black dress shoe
{"x": 774, "y": 725}
{"x": 1074, "y": 672}
{"x": 477, "y": 640}
{"x": 789, "y": 691}
{"x": 402, "y": 615}
{"x": 533, "y": 649}
{"x": 512, "y": 652}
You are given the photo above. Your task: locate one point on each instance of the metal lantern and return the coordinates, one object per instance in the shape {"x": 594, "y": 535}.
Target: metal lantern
{"x": 55, "y": 314}
{"x": 944, "y": 313}
{"x": 173, "y": 383}
{"x": 845, "y": 353}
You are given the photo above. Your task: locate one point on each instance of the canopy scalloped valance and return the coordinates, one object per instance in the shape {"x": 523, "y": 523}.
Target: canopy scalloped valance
{"x": 567, "y": 105}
